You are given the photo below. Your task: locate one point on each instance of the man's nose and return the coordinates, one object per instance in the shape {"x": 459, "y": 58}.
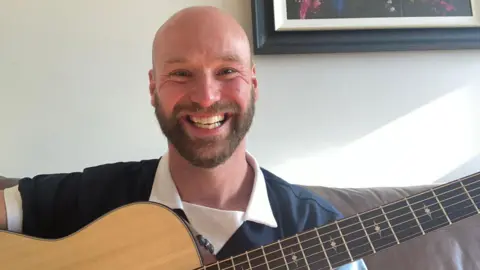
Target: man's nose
{"x": 206, "y": 91}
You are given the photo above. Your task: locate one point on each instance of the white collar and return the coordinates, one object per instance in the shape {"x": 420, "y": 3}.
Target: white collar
{"x": 258, "y": 210}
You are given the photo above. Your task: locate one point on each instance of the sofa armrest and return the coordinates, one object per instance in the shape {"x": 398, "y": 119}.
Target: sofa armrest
{"x": 7, "y": 182}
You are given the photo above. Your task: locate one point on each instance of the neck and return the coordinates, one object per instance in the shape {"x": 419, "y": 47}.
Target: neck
{"x": 227, "y": 186}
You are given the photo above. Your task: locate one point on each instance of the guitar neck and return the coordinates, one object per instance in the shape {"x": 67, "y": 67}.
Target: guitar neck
{"x": 355, "y": 237}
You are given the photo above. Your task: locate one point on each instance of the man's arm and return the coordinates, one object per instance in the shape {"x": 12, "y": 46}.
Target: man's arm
{"x": 5, "y": 183}
{"x": 3, "y": 212}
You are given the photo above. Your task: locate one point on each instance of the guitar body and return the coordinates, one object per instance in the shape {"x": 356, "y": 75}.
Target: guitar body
{"x": 136, "y": 236}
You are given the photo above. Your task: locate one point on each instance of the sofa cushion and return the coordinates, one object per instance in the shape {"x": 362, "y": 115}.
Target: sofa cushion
{"x": 453, "y": 247}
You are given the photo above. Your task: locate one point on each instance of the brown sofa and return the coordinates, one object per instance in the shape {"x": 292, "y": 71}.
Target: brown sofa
{"x": 456, "y": 247}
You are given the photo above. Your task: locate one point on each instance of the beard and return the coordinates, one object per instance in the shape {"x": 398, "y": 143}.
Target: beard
{"x": 206, "y": 152}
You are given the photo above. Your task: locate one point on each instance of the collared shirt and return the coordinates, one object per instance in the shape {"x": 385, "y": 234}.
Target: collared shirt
{"x": 57, "y": 205}
{"x": 215, "y": 225}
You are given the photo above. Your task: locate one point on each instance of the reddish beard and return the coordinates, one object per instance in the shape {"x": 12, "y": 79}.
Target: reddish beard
{"x": 201, "y": 152}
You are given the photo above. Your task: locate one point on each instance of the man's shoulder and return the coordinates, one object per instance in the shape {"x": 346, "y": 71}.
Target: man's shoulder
{"x": 295, "y": 207}
{"x": 296, "y": 194}
{"x": 96, "y": 178}
{"x": 126, "y": 168}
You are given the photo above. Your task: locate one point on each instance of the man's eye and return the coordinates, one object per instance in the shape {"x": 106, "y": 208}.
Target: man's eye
{"x": 227, "y": 71}
{"x": 180, "y": 73}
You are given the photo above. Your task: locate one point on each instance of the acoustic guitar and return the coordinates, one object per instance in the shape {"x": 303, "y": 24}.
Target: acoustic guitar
{"x": 150, "y": 236}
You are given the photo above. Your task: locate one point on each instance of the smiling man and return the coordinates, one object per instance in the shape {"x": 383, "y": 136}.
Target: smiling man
{"x": 203, "y": 89}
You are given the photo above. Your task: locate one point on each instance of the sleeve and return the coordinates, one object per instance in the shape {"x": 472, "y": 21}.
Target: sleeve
{"x": 13, "y": 204}
{"x": 50, "y": 204}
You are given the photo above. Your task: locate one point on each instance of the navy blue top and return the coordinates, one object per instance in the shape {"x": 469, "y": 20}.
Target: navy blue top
{"x": 57, "y": 205}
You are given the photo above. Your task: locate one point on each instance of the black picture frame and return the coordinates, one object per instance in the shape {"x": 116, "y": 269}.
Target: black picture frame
{"x": 268, "y": 41}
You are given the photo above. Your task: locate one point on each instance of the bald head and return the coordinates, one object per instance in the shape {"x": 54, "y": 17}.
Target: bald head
{"x": 200, "y": 31}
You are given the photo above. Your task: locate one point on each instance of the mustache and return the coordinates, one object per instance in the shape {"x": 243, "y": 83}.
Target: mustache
{"x": 218, "y": 107}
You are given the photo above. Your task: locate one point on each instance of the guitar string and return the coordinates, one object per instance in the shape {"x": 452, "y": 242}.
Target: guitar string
{"x": 381, "y": 215}
{"x": 366, "y": 244}
{"x": 375, "y": 224}
{"x": 331, "y": 248}
{"x": 348, "y": 260}
{"x": 356, "y": 247}
{"x": 408, "y": 213}
{"x": 305, "y": 259}
{"x": 475, "y": 181}
{"x": 387, "y": 228}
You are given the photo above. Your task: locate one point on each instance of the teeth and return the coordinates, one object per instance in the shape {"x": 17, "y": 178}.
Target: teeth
{"x": 207, "y": 120}
{"x": 208, "y": 126}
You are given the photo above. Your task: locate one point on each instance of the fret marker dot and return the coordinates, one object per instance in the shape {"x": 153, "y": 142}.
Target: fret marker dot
{"x": 377, "y": 228}
{"x": 333, "y": 244}
{"x": 427, "y": 211}
{"x": 294, "y": 259}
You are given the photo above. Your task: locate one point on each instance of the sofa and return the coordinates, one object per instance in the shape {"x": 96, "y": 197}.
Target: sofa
{"x": 455, "y": 247}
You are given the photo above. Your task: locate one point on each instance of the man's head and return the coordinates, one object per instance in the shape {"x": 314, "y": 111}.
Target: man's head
{"x": 203, "y": 84}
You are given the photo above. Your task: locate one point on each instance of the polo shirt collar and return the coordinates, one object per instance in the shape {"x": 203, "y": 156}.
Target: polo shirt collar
{"x": 258, "y": 210}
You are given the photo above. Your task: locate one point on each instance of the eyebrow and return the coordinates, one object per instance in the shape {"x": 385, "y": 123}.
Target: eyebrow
{"x": 230, "y": 58}
{"x": 226, "y": 58}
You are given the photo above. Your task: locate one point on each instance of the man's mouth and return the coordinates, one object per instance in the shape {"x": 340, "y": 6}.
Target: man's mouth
{"x": 208, "y": 122}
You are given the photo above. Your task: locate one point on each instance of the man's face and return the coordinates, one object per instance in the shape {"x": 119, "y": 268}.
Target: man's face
{"x": 204, "y": 94}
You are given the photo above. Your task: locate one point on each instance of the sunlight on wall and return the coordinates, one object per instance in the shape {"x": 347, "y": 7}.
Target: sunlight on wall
{"x": 415, "y": 149}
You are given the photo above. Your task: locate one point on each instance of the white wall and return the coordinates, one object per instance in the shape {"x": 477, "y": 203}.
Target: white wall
{"x": 73, "y": 88}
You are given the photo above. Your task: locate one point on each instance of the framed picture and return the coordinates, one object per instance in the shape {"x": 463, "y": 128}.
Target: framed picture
{"x": 326, "y": 26}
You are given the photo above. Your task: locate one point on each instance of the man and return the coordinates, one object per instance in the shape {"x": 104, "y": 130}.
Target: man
{"x": 203, "y": 88}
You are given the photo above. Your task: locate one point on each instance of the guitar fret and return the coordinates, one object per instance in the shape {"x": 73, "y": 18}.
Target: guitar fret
{"x": 274, "y": 256}
{"x": 402, "y": 220}
{"x": 366, "y": 233}
{"x": 428, "y": 211}
{"x": 312, "y": 250}
{"x": 228, "y": 264}
{"x": 472, "y": 185}
{"x": 470, "y": 197}
{"x": 343, "y": 238}
{"x": 265, "y": 256}
{"x": 355, "y": 237}
{"x": 215, "y": 266}
{"x": 293, "y": 253}
{"x": 456, "y": 202}
{"x": 416, "y": 218}
{"x": 323, "y": 248}
{"x": 334, "y": 245}
{"x": 380, "y": 234}
{"x": 248, "y": 260}
{"x": 240, "y": 262}
{"x": 441, "y": 207}
{"x": 257, "y": 259}
{"x": 390, "y": 225}
{"x": 283, "y": 255}
{"x": 303, "y": 253}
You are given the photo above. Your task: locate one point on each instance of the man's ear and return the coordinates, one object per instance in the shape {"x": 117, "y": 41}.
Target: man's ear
{"x": 254, "y": 82}
{"x": 151, "y": 86}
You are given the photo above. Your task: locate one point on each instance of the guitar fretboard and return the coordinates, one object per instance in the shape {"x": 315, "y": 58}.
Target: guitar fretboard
{"x": 355, "y": 237}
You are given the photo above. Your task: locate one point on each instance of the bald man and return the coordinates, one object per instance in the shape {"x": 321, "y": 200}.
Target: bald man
{"x": 203, "y": 89}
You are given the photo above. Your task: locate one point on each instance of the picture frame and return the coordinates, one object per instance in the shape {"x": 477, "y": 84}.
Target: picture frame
{"x": 275, "y": 33}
